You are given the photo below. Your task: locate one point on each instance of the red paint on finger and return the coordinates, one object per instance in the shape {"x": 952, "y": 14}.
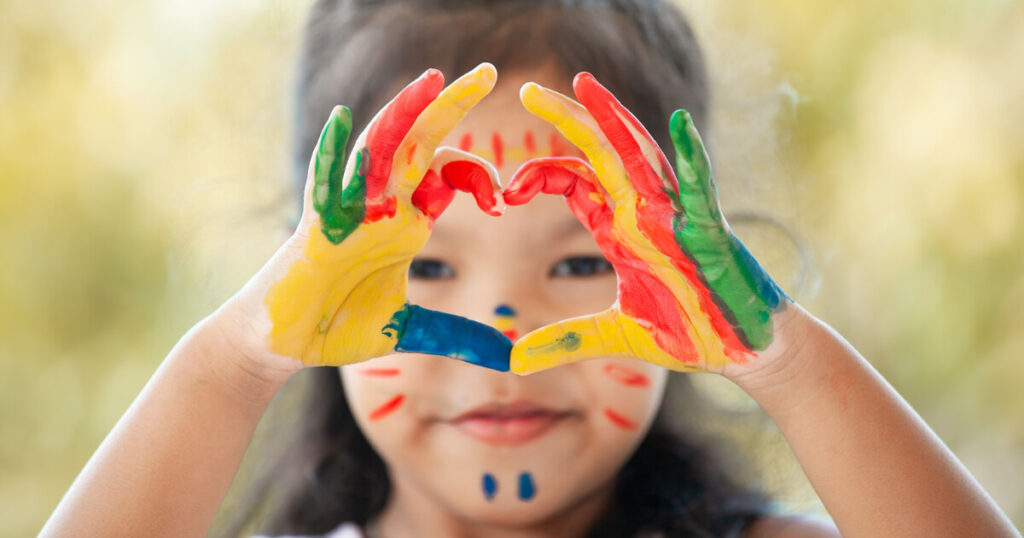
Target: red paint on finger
{"x": 387, "y": 407}
{"x": 380, "y": 372}
{"x": 619, "y": 420}
{"x": 626, "y": 375}
{"x": 387, "y": 131}
{"x": 498, "y": 146}
{"x": 432, "y": 195}
{"x": 471, "y": 177}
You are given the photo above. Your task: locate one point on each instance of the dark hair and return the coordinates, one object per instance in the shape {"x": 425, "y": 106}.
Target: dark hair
{"x": 354, "y": 53}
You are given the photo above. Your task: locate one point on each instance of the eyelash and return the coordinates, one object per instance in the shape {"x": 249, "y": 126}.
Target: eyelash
{"x": 430, "y": 269}
{"x": 571, "y": 267}
{"x": 581, "y": 267}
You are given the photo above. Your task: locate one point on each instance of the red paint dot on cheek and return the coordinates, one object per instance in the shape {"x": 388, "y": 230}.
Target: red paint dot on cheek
{"x": 619, "y": 420}
{"x": 626, "y": 375}
{"x": 387, "y": 407}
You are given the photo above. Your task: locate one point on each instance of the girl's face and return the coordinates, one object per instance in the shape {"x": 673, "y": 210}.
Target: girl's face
{"x": 494, "y": 447}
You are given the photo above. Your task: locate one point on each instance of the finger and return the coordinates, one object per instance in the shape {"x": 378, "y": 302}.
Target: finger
{"x": 385, "y": 133}
{"x": 566, "y": 176}
{"x": 455, "y": 170}
{"x": 697, "y": 191}
{"x": 608, "y": 334}
{"x": 325, "y": 186}
{"x": 576, "y": 124}
{"x": 420, "y": 330}
{"x": 416, "y": 151}
{"x": 646, "y": 166}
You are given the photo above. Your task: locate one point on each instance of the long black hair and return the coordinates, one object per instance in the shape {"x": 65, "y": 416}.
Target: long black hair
{"x": 354, "y": 53}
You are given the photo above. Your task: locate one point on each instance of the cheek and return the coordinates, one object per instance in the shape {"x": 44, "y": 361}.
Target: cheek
{"x": 626, "y": 393}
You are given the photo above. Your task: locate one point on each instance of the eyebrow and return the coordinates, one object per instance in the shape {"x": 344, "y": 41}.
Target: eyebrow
{"x": 568, "y": 227}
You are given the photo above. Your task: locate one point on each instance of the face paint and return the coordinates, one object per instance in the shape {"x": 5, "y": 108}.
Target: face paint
{"x": 490, "y": 486}
{"x": 618, "y": 419}
{"x": 498, "y": 147}
{"x": 344, "y": 300}
{"x": 526, "y": 487}
{"x": 379, "y": 372}
{"x": 626, "y": 376}
{"x": 529, "y": 143}
{"x": 505, "y": 321}
{"x": 690, "y": 295}
{"x": 387, "y": 407}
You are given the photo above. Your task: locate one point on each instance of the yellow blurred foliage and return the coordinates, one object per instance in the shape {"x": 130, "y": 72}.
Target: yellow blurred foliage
{"x": 144, "y": 177}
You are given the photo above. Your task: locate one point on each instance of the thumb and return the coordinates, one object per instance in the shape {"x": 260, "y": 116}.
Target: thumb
{"x": 572, "y": 340}
{"x": 421, "y": 330}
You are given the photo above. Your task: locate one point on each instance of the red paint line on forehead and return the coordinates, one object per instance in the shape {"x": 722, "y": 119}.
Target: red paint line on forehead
{"x": 466, "y": 142}
{"x": 556, "y": 145}
{"x": 380, "y": 372}
{"x": 529, "y": 143}
{"x": 626, "y": 375}
{"x": 387, "y": 407}
{"x": 619, "y": 420}
{"x": 499, "y": 148}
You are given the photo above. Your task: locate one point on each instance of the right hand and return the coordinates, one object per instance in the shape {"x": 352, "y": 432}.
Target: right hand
{"x": 335, "y": 292}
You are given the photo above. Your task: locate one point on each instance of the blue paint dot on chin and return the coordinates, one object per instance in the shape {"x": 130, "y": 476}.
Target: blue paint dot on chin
{"x": 526, "y": 488}
{"x": 490, "y": 486}
{"x": 504, "y": 310}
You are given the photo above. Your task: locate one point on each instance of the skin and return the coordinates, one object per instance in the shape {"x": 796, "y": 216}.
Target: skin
{"x": 165, "y": 467}
{"x": 506, "y": 261}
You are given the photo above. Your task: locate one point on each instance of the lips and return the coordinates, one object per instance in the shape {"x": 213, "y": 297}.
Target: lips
{"x": 510, "y": 423}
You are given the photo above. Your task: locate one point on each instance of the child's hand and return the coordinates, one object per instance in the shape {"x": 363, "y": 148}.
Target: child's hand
{"x": 335, "y": 293}
{"x": 690, "y": 295}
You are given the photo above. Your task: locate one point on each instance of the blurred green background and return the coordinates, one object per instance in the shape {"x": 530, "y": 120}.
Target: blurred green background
{"x": 144, "y": 178}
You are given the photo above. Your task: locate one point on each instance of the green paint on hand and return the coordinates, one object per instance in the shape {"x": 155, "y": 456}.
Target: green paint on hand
{"x": 341, "y": 207}
{"x": 739, "y": 285}
{"x": 570, "y": 342}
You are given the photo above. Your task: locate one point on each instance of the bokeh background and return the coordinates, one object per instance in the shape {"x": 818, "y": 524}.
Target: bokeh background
{"x": 144, "y": 178}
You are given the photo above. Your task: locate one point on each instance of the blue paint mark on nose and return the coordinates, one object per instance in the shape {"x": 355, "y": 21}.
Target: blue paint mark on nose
{"x": 505, "y": 310}
{"x": 526, "y": 489}
{"x": 419, "y": 330}
{"x": 490, "y": 486}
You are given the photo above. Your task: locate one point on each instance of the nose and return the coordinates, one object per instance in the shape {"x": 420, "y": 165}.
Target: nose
{"x": 505, "y": 321}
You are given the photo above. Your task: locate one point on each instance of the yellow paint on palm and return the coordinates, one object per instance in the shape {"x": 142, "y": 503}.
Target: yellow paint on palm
{"x": 366, "y": 275}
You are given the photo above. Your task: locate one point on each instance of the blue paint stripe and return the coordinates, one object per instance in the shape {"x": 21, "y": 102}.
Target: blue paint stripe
{"x": 490, "y": 486}
{"x": 420, "y": 330}
{"x": 526, "y": 488}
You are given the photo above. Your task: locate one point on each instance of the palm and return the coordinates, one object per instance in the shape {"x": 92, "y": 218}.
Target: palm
{"x": 690, "y": 296}
{"x": 365, "y": 218}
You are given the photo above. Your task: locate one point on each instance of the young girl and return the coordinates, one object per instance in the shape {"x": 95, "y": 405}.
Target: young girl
{"x": 423, "y": 431}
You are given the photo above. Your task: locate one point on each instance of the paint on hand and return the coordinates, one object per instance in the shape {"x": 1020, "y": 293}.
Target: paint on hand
{"x": 505, "y": 321}
{"x": 419, "y": 330}
{"x": 690, "y": 296}
{"x": 490, "y": 486}
{"x": 526, "y": 488}
{"x": 387, "y": 407}
{"x": 344, "y": 300}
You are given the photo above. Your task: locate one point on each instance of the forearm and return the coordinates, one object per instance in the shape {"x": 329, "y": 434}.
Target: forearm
{"x": 167, "y": 464}
{"x": 878, "y": 468}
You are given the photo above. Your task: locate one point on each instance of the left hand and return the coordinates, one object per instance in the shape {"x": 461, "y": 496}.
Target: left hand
{"x": 690, "y": 295}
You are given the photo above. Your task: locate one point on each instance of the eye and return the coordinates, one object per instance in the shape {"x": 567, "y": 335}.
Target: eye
{"x": 581, "y": 266}
{"x": 430, "y": 269}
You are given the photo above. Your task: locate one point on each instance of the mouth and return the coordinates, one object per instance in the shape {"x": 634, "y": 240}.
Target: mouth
{"x": 509, "y": 423}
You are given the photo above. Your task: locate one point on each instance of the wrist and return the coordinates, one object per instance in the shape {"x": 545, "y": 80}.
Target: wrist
{"x": 795, "y": 366}
{"x": 236, "y": 363}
